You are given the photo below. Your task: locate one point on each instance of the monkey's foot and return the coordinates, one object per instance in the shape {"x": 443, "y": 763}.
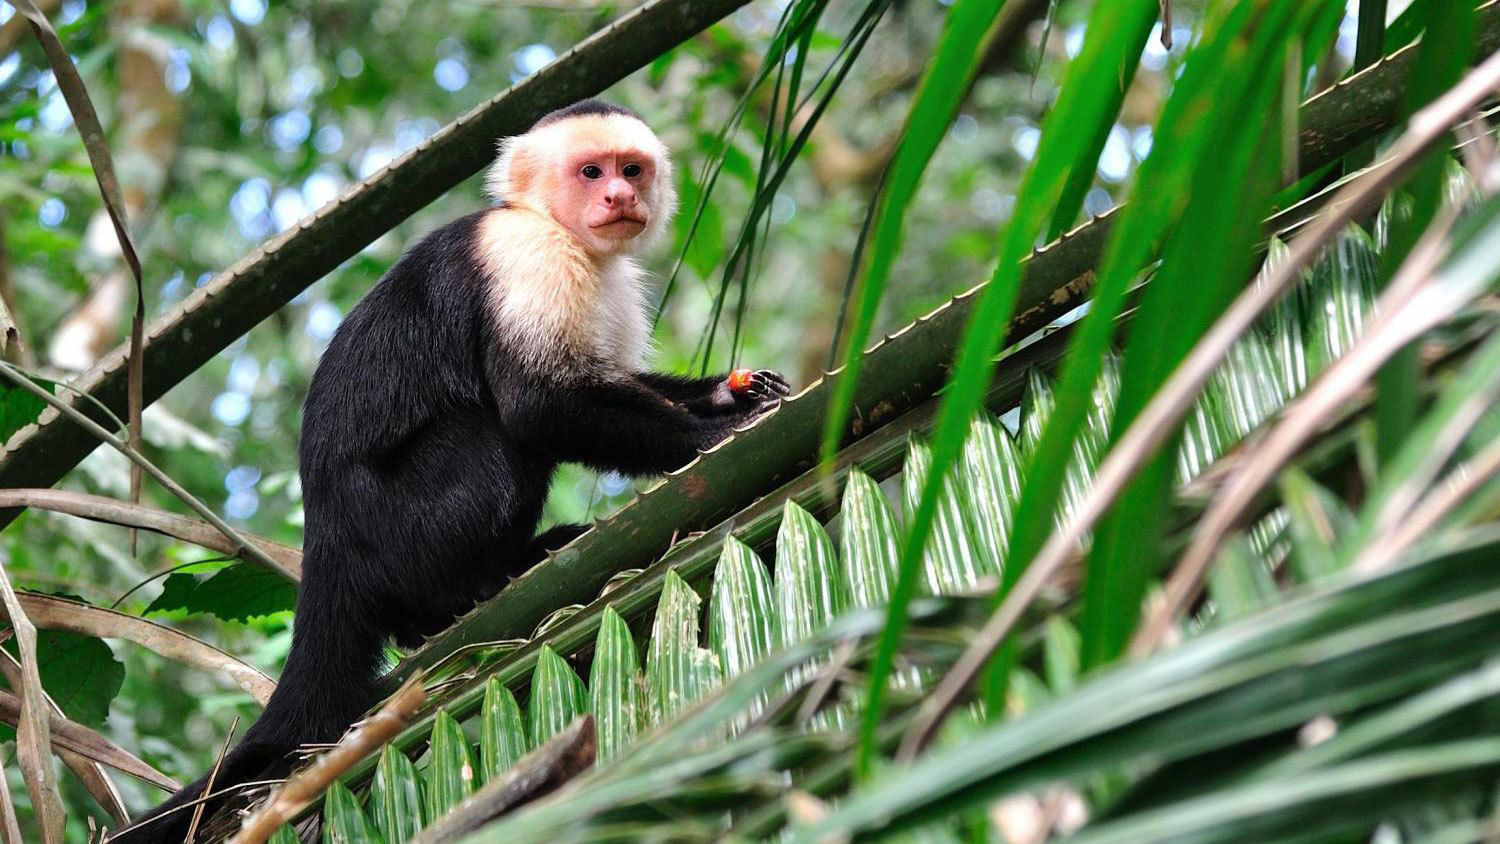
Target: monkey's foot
{"x": 759, "y": 384}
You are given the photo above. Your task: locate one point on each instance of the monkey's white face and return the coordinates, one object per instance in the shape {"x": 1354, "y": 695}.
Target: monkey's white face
{"x": 606, "y": 179}
{"x": 604, "y": 197}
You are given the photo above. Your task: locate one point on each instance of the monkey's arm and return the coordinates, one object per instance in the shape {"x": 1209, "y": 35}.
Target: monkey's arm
{"x": 740, "y": 391}
{"x": 617, "y": 426}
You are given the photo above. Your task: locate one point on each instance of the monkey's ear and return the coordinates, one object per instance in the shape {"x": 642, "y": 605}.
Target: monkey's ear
{"x": 514, "y": 171}
{"x": 497, "y": 180}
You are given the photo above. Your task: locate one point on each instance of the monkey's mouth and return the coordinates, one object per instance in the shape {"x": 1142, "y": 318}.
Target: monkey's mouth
{"x": 625, "y": 217}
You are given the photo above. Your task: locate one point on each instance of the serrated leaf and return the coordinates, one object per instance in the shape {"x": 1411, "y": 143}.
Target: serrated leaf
{"x": 449, "y": 777}
{"x": 502, "y": 732}
{"x": 954, "y": 560}
{"x": 557, "y": 696}
{"x": 678, "y": 672}
{"x": 176, "y": 594}
{"x": 239, "y": 592}
{"x": 395, "y": 798}
{"x": 614, "y": 690}
{"x": 244, "y": 591}
{"x": 343, "y": 821}
{"x": 809, "y": 585}
{"x": 80, "y": 673}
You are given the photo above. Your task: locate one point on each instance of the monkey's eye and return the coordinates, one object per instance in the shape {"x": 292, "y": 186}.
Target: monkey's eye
{"x": 592, "y": 171}
{"x": 632, "y": 170}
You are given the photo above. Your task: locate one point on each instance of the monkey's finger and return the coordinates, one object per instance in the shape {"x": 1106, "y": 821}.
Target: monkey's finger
{"x": 773, "y": 381}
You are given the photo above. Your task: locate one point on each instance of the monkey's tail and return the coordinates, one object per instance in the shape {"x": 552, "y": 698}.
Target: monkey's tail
{"x": 328, "y": 683}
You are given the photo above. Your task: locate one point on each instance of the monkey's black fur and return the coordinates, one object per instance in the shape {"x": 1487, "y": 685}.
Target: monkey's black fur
{"x": 426, "y": 454}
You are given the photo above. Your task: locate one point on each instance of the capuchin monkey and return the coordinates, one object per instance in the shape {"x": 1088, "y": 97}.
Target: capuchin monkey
{"x": 500, "y": 346}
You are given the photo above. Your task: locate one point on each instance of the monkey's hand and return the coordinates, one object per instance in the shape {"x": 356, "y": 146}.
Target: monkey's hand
{"x": 751, "y": 391}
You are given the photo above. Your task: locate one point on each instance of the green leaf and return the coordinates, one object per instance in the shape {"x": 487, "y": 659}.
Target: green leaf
{"x": 80, "y": 673}
{"x": 1342, "y": 288}
{"x": 868, "y": 541}
{"x": 244, "y": 591}
{"x": 284, "y": 834}
{"x": 1060, "y": 655}
{"x": 176, "y": 594}
{"x": 502, "y": 732}
{"x": 240, "y": 592}
{"x": 1239, "y": 582}
{"x": 1415, "y": 467}
{"x": 810, "y": 589}
{"x": 557, "y": 696}
{"x": 1318, "y": 519}
{"x": 395, "y": 798}
{"x": 614, "y": 686}
{"x": 992, "y": 477}
{"x": 741, "y": 616}
{"x": 343, "y": 822}
{"x": 1299, "y": 808}
{"x": 955, "y": 561}
{"x": 449, "y": 777}
{"x": 19, "y": 408}
{"x": 678, "y": 672}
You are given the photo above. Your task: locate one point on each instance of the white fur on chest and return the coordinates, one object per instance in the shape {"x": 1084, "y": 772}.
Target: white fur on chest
{"x": 553, "y": 304}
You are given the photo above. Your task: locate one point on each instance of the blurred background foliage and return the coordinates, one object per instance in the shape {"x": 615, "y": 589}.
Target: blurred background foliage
{"x": 230, "y": 121}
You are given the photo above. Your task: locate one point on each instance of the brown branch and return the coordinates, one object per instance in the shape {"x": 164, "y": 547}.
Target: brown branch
{"x": 10, "y": 832}
{"x": 87, "y": 743}
{"x": 538, "y": 773}
{"x": 286, "y": 559}
{"x": 307, "y": 784}
{"x": 50, "y": 612}
{"x": 33, "y": 733}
